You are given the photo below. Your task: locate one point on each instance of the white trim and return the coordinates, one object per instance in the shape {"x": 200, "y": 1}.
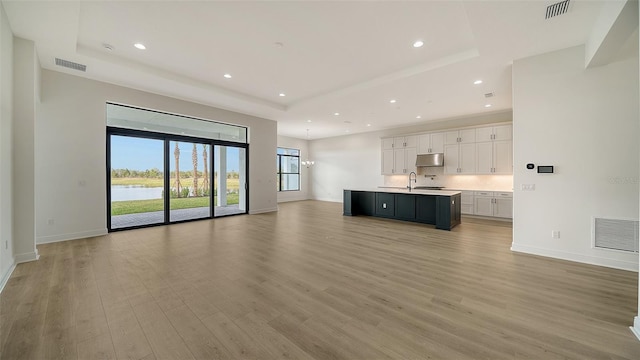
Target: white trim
{"x": 6, "y": 276}
{"x": 293, "y": 198}
{"x": 593, "y": 260}
{"x": 635, "y": 329}
{"x": 71, "y": 236}
{"x": 328, "y": 199}
{"x": 22, "y": 258}
{"x": 472, "y": 216}
{"x": 261, "y": 211}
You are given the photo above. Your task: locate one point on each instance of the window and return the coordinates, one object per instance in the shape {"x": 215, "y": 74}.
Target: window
{"x": 160, "y": 177}
{"x": 288, "y": 169}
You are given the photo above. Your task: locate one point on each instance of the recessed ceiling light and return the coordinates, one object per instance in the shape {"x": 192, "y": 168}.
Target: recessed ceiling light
{"x": 227, "y": 76}
{"x": 346, "y": 130}
{"x": 140, "y": 46}
{"x": 488, "y": 105}
{"x": 418, "y": 44}
{"x": 308, "y": 120}
{"x": 368, "y": 125}
{"x": 418, "y": 117}
{"x": 336, "y": 113}
{"x": 282, "y": 95}
{"x": 393, "y": 101}
{"x": 477, "y": 82}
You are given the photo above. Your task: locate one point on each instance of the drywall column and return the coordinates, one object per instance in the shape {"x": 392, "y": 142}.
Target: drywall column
{"x": 221, "y": 167}
{"x": 242, "y": 179}
{"x": 6, "y": 141}
{"x": 25, "y": 89}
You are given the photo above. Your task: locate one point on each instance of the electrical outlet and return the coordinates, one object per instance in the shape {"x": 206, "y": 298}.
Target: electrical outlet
{"x": 555, "y": 234}
{"x": 528, "y": 187}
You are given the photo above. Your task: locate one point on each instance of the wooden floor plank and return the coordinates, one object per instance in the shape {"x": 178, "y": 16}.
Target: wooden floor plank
{"x": 309, "y": 283}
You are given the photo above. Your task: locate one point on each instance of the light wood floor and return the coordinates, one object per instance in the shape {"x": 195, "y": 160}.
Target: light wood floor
{"x": 308, "y": 283}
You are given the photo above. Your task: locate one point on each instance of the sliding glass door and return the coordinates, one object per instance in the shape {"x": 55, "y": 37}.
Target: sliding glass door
{"x": 163, "y": 178}
{"x": 136, "y": 181}
{"x": 190, "y": 181}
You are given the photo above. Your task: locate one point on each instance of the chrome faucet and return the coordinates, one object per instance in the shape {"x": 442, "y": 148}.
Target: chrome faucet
{"x": 415, "y": 179}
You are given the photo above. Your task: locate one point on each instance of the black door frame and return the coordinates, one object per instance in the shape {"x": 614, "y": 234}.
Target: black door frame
{"x": 167, "y": 138}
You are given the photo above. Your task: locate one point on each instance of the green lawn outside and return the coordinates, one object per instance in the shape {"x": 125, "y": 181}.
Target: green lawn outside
{"x": 142, "y": 206}
{"x": 232, "y": 184}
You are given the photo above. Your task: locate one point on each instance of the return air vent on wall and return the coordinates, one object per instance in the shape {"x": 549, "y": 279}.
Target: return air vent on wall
{"x": 557, "y": 9}
{"x": 71, "y": 65}
{"x": 615, "y": 234}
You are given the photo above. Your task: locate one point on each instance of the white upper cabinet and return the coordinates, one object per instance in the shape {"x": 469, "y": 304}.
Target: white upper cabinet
{"x": 491, "y": 133}
{"x": 464, "y": 136}
{"x": 431, "y": 143}
{"x": 482, "y": 150}
{"x": 399, "y": 155}
{"x": 387, "y": 144}
{"x": 405, "y": 141}
{"x": 494, "y": 157}
{"x": 387, "y": 162}
{"x": 460, "y": 159}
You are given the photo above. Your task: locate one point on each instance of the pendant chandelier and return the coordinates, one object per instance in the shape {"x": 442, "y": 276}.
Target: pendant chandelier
{"x": 308, "y": 163}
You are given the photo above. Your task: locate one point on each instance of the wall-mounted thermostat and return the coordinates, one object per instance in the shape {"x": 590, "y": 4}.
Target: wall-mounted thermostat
{"x": 530, "y": 166}
{"x": 545, "y": 169}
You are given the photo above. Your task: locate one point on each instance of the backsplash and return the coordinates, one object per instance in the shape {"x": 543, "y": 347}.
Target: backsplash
{"x": 458, "y": 182}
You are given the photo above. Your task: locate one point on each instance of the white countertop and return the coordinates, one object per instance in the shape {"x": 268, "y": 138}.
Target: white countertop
{"x": 398, "y": 190}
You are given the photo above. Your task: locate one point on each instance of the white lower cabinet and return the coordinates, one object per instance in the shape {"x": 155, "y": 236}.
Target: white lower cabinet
{"x": 466, "y": 202}
{"x": 489, "y": 203}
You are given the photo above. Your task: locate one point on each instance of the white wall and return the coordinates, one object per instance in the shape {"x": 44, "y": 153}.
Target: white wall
{"x": 305, "y": 173}
{"x": 25, "y": 85}
{"x": 353, "y": 161}
{"x": 6, "y": 144}
{"x": 636, "y": 320}
{"x": 585, "y": 123}
{"x": 70, "y": 152}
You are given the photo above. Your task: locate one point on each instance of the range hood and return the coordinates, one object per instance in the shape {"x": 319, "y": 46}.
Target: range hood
{"x": 424, "y": 160}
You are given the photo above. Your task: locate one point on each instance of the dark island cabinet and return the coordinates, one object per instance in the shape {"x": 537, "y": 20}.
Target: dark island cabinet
{"x": 439, "y": 210}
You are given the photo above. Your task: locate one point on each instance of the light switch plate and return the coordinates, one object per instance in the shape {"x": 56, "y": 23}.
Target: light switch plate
{"x": 528, "y": 187}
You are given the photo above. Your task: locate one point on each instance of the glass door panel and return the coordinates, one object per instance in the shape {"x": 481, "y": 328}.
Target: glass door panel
{"x": 230, "y": 178}
{"x": 136, "y": 181}
{"x": 189, "y": 181}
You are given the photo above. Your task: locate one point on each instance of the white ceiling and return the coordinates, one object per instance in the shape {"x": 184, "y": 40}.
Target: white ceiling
{"x": 327, "y": 57}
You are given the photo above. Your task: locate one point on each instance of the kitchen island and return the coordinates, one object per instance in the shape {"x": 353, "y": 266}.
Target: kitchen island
{"x": 436, "y": 207}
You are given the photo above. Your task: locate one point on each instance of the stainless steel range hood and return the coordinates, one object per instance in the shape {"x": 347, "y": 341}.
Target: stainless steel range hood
{"x": 424, "y": 160}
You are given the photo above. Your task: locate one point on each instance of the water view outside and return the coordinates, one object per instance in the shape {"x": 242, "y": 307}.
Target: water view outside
{"x": 134, "y": 192}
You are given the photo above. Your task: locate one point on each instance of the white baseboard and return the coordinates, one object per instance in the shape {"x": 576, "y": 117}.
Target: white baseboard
{"x": 6, "y": 276}
{"x": 293, "y": 199}
{"x": 261, "y": 211}
{"x": 26, "y": 257}
{"x": 593, "y": 260}
{"x": 328, "y": 199}
{"x": 635, "y": 329}
{"x": 71, "y": 236}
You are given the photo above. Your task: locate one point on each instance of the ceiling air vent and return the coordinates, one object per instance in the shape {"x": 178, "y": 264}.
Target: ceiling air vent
{"x": 489, "y": 94}
{"x": 71, "y": 65}
{"x": 557, "y": 9}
